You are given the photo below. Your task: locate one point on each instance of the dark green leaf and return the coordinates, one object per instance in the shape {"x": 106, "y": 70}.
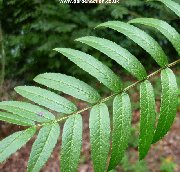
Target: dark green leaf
{"x": 169, "y": 100}
{"x": 121, "y": 128}
{"x": 71, "y": 144}
{"x": 147, "y": 118}
{"x": 99, "y": 124}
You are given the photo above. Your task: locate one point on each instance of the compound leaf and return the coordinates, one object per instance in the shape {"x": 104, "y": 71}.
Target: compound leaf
{"x": 43, "y": 146}
{"x": 47, "y": 99}
{"x": 99, "y": 124}
{"x": 141, "y": 38}
{"x": 71, "y": 144}
{"x": 94, "y": 67}
{"x": 15, "y": 119}
{"x": 121, "y": 128}
{"x": 169, "y": 100}
{"x": 12, "y": 143}
{"x": 147, "y": 118}
{"x": 167, "y": 30}
{"x": 117, "y": 53}
{"x": 69, "y": 85}
{"x": 27, "y": 111}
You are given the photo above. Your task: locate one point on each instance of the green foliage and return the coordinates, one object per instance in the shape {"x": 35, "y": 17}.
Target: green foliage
{"x": 99, "y": 121}
{"x": 121, "y": 128}
{"x": 33, "y": 28}
{"x": 147, "y": 118}
{"x": 167, "y": 165}
{"x": 99, "y": 124}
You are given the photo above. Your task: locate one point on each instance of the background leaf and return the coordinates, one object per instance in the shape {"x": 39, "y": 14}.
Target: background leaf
{"x": 43, "y": 146}
{"x": 71, "y": 144}
{"x": 12, "y": 143}
{"x": 169, "y": 100}
{"x": 121, "y": 128}
{"x": 147, "y": 118}
{"x": 99, "y": 124}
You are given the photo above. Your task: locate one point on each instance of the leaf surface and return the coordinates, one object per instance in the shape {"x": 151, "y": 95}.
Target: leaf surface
{"x": 117, "y": 53}
{"x": 147, "y": 118}
{"x": 141, "y": 38}
{"x": 71, "y": 144}
{"x": 43, "y": 146}
{"x": 15, "y": 119}
{"x": 94, "y": 67}
{"x": 69, "y": 85}
{"x": 12, "y": 143}
{"x": 99, "y": 124}
{"x": 167, "y": 30}
{"x": 27, "y": 111}
{"x": 121, "y": 128}
{"x": 169, "y": 102}
{"x": 172, "y": 5}
{"x": 47, "y": 99}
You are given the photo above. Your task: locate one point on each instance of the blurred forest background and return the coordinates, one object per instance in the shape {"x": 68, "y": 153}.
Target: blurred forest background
{"x": 30, "y": 29}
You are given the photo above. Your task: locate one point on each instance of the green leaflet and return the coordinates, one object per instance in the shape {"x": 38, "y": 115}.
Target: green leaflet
{"x": 121, "y": 128}
{"x": 147, "y": 118}
{"x": 93, "y": 67}
{"x": 47, "y": 99}
{"x": 69, "y": 85}
{"x": 167, "y": 30}
{"x": 71, "y": 144}
{"x": 43, "y": 146}
{"x": 12, "y": 143}
{"x": 117, "y": 53}
{"x": 141, "y": 38}
{"x": 169, "y": 100}
{"x": 99, "y": 124}
{"x": 27, "y": 111}
{"x": 15, "y": 119}
{"x": 172, "y": 5}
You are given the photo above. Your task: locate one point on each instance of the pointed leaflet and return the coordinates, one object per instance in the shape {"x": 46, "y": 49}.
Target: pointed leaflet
{"x": 147, "y": 118}
{"x": 47, "y": 99}
{"x": 167, "y": 30}
{"x": 27, "y": 111}
{"x": 71, "y": 144}
{"x": 141, "y": 38}
{"x": 43, "y": 146}
{"x": 172, "y": 5}
{"x": 15, "y": 119}
{"x": 12, "y": 143}
{"x": 169, "y": 100}
{"x": 117, "y": 53}
{"x": 121, "y": 128}
{"x": 69, "y": 85}
{"x": 99, "y": 124}
{"x": 94, "y": 67}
